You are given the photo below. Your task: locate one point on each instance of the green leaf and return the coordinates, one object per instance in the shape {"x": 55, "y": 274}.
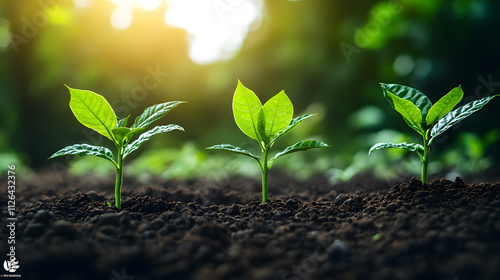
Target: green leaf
{"x": 154, "y": 113}
{"x": 444, "y": 105}
{"x": 411, "y": 113}
{"x": 415, "y": 96}
{"x": 147, "y": 135}
{"x": 296, "y": 121}
{"x": 297, "y": 147}
{"x": 121, "y": 133}
{"x": 277, "y": 114}
{"x": 234, "y": 149}
{"x": 122, "y": 122}
{"x": 412, "y": 147}
{"x": 458, "y": 115}
{"x": 93, "y": 111}
{"x": 85, "y": 150}
{"x": 246, "y": 109}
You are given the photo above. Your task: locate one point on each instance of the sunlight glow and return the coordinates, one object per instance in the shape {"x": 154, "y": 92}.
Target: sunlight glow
{"x": 81, "y": 3}
{"x": 217, "y": 28}
{"x": 121, "y": 18}
{"x": 149, "y": 4}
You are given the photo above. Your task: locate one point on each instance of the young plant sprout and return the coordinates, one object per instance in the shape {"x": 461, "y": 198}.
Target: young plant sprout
{"x": 93, "y": 111}
{"x": 266, "y": 124}
{"x": 428, "y": 120}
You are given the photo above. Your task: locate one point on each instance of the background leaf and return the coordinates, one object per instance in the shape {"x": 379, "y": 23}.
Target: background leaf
{"x": 93, "y": 111}
{"x": 412, "y": 147}
{"x": 233, "y": 149}
{"x": 444, "y": 105}
{"x": 293, "y": 123}
{"x": 415, "y": 96}
{"x": 411, "y": 114}
{"x": 458, "y": 115}
{"x": 85, "y": 150}
{"x": 278, "y": 112}
{"x": 297, "y": 147}
{"x": 246, "y": 108}
{"x": 147, "y": 135}
{"x": 154, "y": 113}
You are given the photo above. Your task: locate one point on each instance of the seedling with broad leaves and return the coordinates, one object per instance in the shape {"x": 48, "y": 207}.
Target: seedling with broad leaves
{"x": 93, "y": 111}
{"x": 428, "y": 120}
{"x": 266, "y": 124}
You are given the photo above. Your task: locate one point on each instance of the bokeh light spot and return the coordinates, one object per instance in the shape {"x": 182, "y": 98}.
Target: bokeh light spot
{"x": 403, "y": 64}
{"x": 5, "y": 37}
{"x": 81, "y": 3}
{"x": 121, "y": 18}
{"x": 149, "y": 4}
{"x": 216, "y": 28}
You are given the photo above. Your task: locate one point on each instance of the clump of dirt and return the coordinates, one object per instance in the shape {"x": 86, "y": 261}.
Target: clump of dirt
{"x": 309, "y": 230}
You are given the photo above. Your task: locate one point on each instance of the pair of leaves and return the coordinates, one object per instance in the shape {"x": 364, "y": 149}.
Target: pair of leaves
{"x": 419, "y": 113}
{"x": 258, "y": 122}
{"x": 297, "y": 147}
{"x": 266, "y": 124}
{"x": 93, "y": 111}
{"x": 416, "y": 108}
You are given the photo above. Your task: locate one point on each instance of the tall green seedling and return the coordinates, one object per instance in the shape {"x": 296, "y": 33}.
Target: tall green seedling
{"x": 266, "y": 124}
{"x": 426, "y": 119}
{"x": 93, "y": 111}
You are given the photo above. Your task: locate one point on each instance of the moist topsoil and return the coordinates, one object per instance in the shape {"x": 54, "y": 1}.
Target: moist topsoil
{"x": 363, "y": 229}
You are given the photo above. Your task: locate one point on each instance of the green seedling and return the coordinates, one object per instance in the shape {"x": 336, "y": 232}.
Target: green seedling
{"x": 93, "y": 111}
{"x": 266, "y": 124}
{"x": 428, "y": 120}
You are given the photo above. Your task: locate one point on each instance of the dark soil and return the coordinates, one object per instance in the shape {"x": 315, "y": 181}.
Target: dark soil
{"x": 362, "y": 230}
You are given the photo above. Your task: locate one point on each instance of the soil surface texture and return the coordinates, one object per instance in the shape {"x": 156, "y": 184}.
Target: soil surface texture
{"x": 363, "y": 229}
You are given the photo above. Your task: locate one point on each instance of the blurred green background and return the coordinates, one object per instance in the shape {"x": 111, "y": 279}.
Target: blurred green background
{"x": 329, "y": 57}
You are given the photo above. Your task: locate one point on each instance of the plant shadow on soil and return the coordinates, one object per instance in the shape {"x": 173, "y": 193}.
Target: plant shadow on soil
{"x": 196, "y": 229}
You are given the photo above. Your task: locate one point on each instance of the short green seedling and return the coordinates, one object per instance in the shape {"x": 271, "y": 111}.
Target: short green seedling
{"x": 266, "y": 124}
{"x": 93, "y": 111}
{"x": 428, "y": 120}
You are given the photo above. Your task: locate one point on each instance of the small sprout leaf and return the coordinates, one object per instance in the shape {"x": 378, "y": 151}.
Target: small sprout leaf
{"x": 121, "y": 133}
{"x": 154, "y": 113}
{"x": 246, "y": 109}
{"x": 277, "y": 113}
{"x": 433, "y": 121}
{"x": 298, "y": 147}
{"x": 296, "y": 121}
{"x": 444, "y": 105}
{"x": 122, "y": 122}
{"x": 458, "y": 115}
{"x": 234, "y": 149}
{"x": 93, "y": 111}
{"x": 412, "y": 147}
{"x": 415, "y": 96}
{"x": 147, "y": 135}
{"x": 85, "y": 150}
{"x": 411, "y": 113}
{"x": 266, "y": 124}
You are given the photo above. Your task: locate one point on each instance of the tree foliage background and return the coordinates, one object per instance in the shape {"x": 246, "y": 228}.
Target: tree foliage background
{"x": 329, "y": 57}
